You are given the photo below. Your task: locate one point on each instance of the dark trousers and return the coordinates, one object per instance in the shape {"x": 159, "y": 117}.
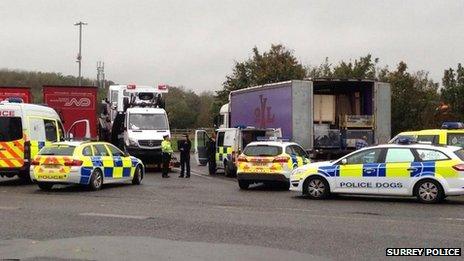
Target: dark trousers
{"x": 166, "y": 161}
{"x": 185, "y": 165}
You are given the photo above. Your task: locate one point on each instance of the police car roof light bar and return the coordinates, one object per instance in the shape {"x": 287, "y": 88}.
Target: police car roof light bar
{"x": 452, "y": 125}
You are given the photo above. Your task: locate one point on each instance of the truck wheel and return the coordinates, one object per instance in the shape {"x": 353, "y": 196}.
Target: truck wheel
{"x": 96, "y": 180}
{"x": 429, "y": 191}
{"x": 45, "y": 186}
{"x": 316, "y": 188}
{"x": 243, "y": 184}
{"x": 137, "y": 179}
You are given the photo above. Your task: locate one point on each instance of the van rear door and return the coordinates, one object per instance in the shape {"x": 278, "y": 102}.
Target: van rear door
{"x": 11, "y": 137}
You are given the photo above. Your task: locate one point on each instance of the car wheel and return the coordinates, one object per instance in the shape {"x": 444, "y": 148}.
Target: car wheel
{"x": 45, "y": 186}
{"x": 96, "y": 180}
{"x": 25, "y": 177}
{"x": 229, "y": 169}
{"x": 243, "y": 184}
{"x": 429, "y": 191}
{"x": 285, "y": 185}
{"x": 137, "y": 179}
{"x": 316, "y": 188}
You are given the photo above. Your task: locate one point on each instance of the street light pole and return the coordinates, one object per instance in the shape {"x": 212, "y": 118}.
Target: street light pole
{"x": 79, "y": 55}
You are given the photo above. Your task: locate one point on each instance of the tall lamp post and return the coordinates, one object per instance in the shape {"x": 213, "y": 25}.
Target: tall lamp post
{"x": 79, "y": 55}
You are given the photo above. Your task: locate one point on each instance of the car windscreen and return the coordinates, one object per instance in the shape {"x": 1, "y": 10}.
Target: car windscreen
{"x": 139, "y": 121}
{"x": 262, "y": 150}
{"x": 10, "y": 129}
{"x": 61, "y": 150}
{"x": 455, "y": 139}
{"x": 460, "y": 154}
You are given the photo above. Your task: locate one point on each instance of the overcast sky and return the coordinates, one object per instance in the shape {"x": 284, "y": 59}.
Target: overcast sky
{"x": 195, "y": 43}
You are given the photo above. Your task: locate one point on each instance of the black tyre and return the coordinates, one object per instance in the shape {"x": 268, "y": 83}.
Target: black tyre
{"x": 243, "y": 184}
{"x": 45, "y": 186}
{"x": 138, "y": 176}
{"x": 316, "y": 188}
{"x": 429, "y": 191}
{"x": 96, "y": 180}
{"x": 229, "y": 169}
{"x": 25, "y": 177}
{"x": 285, "y": 185}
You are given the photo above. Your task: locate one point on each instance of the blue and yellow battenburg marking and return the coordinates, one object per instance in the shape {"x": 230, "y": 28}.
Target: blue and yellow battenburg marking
{"x": 392, "y": 170}
{"x": 115, "y": 167}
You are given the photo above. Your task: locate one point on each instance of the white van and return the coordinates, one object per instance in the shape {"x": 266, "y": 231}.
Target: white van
{"x": 144, "y": 132}
{"x": 25, "y": 129}
{"x": 230, "y": 142}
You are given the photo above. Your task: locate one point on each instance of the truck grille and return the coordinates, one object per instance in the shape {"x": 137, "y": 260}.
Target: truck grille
{"x": 150, "y": 143}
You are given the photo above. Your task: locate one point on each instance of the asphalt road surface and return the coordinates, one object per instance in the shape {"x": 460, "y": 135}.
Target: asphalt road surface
{"x": 209, "y": 218}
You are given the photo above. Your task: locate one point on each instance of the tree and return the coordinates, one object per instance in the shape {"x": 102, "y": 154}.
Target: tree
{"x": 414, "y": 99}
{"x": 453, "y": 90}
{"x": 363, "y": 68}
{"x": 277, "y": 64}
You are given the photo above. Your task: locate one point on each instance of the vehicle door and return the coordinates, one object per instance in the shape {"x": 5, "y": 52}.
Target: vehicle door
{"x": 42, "y": 132}
{"x": 359, "y": 171}
{"x": 201, "y": 147}
{"x": 231, "y": 144}
{"x": 103, "y": 159}
{"x": 401, "y": 166}
{"x": 11, "y": 140}
{"x": 122, "y": 163}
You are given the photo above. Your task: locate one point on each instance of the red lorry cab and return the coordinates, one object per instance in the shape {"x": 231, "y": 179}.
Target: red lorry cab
{"x": 74, "y": 103}
{"x": 24, "y": 93}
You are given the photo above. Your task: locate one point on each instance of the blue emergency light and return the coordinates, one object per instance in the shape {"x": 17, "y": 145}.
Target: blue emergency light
{"x": 452, "y": 125}
{"x": 15, "y": 100}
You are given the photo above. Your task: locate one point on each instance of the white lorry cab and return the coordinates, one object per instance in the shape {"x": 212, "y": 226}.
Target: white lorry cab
{"x": 226, "y": 145}
{"x": 134, "y": 120}
{"x": 144, "y": 132}
{"x": 24, "y": 130}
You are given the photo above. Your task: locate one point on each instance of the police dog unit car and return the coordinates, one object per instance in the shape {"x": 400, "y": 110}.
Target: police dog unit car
{"x": 269, "y": 162}
{"x": 86, "y": 163}
{"x": 427, "y": 172}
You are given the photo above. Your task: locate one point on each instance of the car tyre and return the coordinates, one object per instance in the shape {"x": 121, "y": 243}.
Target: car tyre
{"x": 229, "y": 169}
{"x": 316, "y": 188}
{"x": 138, "y": 176}
{"x": 96, "y": 180}
{"x": 285, "y": 185}
{"x": 243, "y": 184}
{"x": 45, "y": 186}
{"x": 429, "y": 191}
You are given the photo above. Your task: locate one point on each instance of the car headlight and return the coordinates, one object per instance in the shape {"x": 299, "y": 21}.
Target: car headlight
{"x": 297, "y": 172}
{"x": 132, "y": 142}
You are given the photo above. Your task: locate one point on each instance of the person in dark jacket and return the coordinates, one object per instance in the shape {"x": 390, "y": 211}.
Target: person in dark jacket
{"x": 212, "y": 155}
{"x": 184, "y": 148}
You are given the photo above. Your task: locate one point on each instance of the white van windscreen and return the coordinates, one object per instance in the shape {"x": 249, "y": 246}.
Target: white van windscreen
{"x": 11, "y": 129}
{"x": 140, "y": 121}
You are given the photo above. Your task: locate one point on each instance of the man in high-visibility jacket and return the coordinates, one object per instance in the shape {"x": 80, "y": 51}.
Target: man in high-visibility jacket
{"x": 167, "y": 151}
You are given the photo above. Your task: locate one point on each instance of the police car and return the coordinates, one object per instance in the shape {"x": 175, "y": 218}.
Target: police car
{"x": 427, "y": 172}
{"x": 269, "y": 162}
{"x": 86, "y": 163}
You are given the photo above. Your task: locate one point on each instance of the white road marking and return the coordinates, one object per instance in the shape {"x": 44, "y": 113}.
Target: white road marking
{"x": 113, "y": 215}
{"x": 8, "y": 208}
{"x": 453, "y": 219}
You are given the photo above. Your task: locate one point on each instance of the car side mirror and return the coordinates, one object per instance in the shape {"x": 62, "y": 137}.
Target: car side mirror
{"x": 343, "y": 161}
{"x": 126, "y": 154}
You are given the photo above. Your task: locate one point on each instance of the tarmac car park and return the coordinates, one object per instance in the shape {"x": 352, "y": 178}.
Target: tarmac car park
{"x": 90, "y": 164}
{"x": 269, "y": 162}
{"x": 427, "y": 172}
